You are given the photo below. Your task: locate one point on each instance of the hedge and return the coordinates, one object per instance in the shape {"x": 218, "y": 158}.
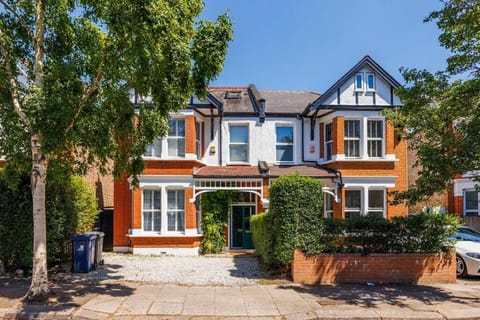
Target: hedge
{"x": 262, "y": 236}
{"x": 424, "y": 233}
{"x": 296, "y": 205}
{"x": 295, "y": 221}
{"x": 71, "y": 209}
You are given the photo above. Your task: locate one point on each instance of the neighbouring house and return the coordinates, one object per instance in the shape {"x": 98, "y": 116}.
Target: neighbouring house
{"x": 243, "y": 138}
{"x": 464, "y": 197}
{"x": 439, "y": 202}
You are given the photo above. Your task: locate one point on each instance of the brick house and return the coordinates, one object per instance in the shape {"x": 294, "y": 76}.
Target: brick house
{"x": 242, "y": 138}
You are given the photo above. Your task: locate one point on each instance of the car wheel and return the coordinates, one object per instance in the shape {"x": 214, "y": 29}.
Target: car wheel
{"x": 461, "y": 267}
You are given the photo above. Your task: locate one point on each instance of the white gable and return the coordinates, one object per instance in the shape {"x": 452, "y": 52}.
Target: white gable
{"x": 381, "y": 96}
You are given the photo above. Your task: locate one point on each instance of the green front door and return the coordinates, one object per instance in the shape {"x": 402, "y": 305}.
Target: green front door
{"x": 240, "y": 227}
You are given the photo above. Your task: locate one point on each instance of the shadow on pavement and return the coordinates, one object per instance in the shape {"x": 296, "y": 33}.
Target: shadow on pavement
{"x": 68, "y": 292}
{"x": 371, "y": 296}
{"x": 247, "y": 266}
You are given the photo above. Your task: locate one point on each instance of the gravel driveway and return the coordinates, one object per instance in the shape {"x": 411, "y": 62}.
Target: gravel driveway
{"x": 217, "y": 270}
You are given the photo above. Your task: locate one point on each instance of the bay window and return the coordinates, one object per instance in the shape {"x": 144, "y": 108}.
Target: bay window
{"x": 176, "y": 210}
{"x": 154, "y": 150}
{"x": 352, "y": 138}
{"x": 176, "y": 138}
{"x": 353, "y": 203}
{"x": 365, "y": 201}
{"x": 151, "y": 210}
{"x": 376, "y": 202}
{"x": 375, "y": 138}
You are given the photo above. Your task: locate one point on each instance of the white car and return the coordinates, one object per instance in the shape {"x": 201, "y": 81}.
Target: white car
{"x": 468, "y": 258}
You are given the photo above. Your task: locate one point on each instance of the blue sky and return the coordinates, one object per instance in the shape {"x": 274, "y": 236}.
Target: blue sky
{"x": 309, "y": 44}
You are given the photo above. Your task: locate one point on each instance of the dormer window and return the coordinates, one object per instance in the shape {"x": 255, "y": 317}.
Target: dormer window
{"x": 233, "y": 95}
{"x": 359, "y": 82}
{"x": 370, "y": 82}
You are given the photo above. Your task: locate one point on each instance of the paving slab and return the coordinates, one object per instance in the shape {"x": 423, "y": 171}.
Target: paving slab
{"x": 287, "y": 300}
{"x": 104, "y": 303}
{"x": 200, "y": 301}
{"x": 459, "y": 312}
{"x": 175, "y": 294}
{"x": 148, "y": 290}
{"x": 84, "y": 314}
{"x": 344, "y": 312}
{"x": 136, "y": 304}
{"x": 165, "y": 308}
{"x": 389, "y": 312}
{"x": 259, "y": 302}
{"x": 229, "y": 302}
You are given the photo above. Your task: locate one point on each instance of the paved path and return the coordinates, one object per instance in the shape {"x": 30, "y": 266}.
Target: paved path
{"x": 131, "y": 300}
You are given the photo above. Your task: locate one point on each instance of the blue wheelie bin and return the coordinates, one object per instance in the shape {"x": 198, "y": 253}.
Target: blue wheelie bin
{"x": 83, "y": 251}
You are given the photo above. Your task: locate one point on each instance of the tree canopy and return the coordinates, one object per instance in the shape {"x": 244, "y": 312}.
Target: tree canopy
{"x": 441, "y": 111}
{"x": 68, "y": 71}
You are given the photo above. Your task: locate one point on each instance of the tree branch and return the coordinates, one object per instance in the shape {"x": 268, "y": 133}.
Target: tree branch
{"x": 93, "y": 87}
{"x": 13, "y": 84}
{"x": 22, "y": 22}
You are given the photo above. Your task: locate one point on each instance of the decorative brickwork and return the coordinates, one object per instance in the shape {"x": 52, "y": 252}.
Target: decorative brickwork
{"x": 377, "y": 268}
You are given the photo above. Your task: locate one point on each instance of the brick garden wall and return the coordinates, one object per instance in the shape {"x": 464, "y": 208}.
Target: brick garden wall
{"x": 379, "y": 268}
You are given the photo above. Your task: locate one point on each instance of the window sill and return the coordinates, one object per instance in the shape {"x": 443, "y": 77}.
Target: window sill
{"x": 341, "y": 158}
{"x": 159, "y": 235}
{"x": 285, "y": 163}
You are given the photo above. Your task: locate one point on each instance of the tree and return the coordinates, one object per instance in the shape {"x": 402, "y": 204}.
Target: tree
{"x": 66, "y": 70}
{"x": 441, "y": 111}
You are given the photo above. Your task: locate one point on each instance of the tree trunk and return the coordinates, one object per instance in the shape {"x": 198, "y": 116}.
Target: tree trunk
{"x": 39, "y": 289}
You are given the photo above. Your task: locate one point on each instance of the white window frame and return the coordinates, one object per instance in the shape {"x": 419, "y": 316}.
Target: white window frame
{"x": 328, "y": 142}
{"x": 230, "y": 143}
{"x": 157, "y": 143}
{"x": 198, "y": 139}
{"x": 328, "y": 212}
{"x": 176, "y": 137}
{"x": 384, "y": 202}
{"x": 382, "y": 139}
{"x": 361, "y": 201}
{"x": 159, "y": 211}
{"x": 356, "y": 88}
{"x": 176, "y": 211}
{"x": 465, "y": 211}
{"x": 370, "y": 74}
{"x": 359, "y": 139}
{"x": 285, "y": 125}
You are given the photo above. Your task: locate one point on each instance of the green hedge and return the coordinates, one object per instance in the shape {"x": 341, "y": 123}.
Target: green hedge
{"x": 262, "y": 235}
{"x": 295, "y": 221}
{"x": 71, "y": 209}
{"x": 365, "y": 234}
{"x": 296, "y": 205}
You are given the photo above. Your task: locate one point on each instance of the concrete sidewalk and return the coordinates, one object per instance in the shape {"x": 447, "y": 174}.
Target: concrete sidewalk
{"x": 126, "y": 300}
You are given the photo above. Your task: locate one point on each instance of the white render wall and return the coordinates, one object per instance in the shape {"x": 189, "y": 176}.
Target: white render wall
{"x": 347, "y": 93}
{"x": 262, "y": 139}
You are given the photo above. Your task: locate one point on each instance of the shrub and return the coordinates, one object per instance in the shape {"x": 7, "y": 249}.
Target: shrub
{"x": 213, "y": 237}
{"x": 369, "y": 234}
{"x": 296, "y": 208}
{"x": 262, "y": 234}
{"x": 215, "y": 207}
{"x": 71, "y": 208}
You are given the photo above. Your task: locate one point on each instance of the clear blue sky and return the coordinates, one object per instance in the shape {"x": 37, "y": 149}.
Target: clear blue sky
{"x": 309, "y": 44}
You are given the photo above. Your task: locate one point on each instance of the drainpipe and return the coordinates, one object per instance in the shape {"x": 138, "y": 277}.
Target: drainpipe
{"x": 220, "y": 151}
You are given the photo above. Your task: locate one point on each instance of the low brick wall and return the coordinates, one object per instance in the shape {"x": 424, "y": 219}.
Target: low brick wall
{"x": 378, "y": 268}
